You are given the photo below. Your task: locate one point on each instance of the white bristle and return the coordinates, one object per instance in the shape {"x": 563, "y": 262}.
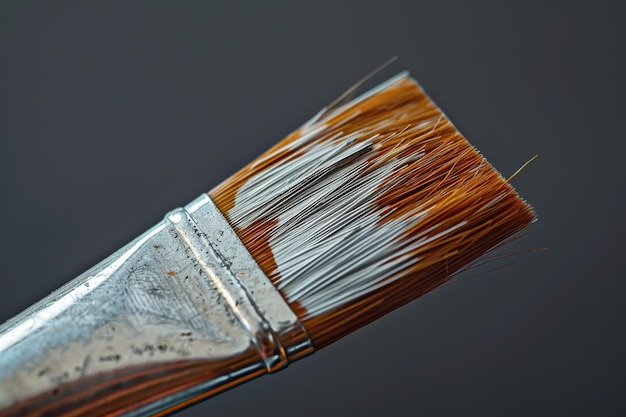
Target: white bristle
{"x": 369, "y": 205}
{"x": 329, "y": 244}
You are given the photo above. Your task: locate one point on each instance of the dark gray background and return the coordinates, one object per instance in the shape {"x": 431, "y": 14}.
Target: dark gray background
{"x": 112, "y": 113}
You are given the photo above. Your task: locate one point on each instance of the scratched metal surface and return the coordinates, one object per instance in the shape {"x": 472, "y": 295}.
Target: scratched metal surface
{"x": 183, "y": 290}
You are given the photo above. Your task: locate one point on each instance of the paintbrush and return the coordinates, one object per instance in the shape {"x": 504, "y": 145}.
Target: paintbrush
{"x": 375, "y": 201}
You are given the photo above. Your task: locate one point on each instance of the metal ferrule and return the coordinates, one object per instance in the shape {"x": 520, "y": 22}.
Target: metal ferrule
{"x": 186, "y": 290}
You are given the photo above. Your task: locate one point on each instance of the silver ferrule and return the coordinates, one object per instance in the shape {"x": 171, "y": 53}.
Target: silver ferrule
{"x": 186, "y": 290}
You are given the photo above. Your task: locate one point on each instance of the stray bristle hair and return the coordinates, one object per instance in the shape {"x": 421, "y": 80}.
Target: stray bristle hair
{"x": 369, "y": 205}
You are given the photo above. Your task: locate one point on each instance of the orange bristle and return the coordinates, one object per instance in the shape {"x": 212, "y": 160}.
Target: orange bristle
{"x": 368, "y": 206}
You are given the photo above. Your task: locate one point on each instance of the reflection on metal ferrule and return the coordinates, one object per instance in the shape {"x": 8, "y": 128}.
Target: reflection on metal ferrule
{"x": 267, "y": 318}
{"x": 186, "y": 290}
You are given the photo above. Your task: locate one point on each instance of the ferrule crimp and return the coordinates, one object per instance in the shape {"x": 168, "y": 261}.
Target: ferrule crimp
{"x": 270, "y": 323}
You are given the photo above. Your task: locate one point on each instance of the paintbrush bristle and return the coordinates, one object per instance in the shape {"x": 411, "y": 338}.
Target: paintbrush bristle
{"x": 369, "y": 205}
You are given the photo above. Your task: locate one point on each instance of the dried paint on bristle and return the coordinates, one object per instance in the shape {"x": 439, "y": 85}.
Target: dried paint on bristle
{"x": 368, "y": 206}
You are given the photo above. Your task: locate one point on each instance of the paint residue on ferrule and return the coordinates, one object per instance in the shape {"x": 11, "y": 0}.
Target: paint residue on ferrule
{"x": 263, "y": 313}
{"x": 185, "y": 293}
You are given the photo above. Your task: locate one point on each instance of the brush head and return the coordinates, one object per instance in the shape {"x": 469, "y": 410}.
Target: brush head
{"x": 369, "y": 205}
